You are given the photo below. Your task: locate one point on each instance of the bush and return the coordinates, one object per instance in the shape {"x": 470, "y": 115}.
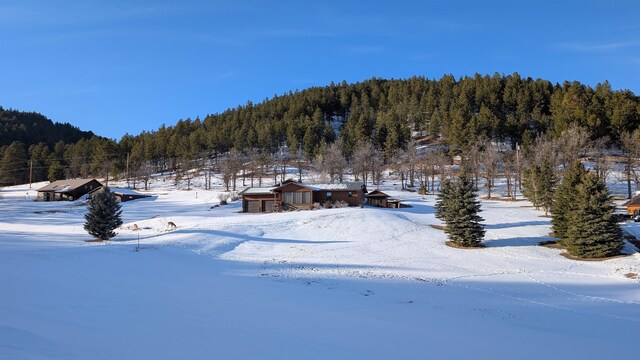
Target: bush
{"x": 327, "y": 204}
{"x": 224, "y": 197}
{"x": 340, "y": 204}
{"x": 234, "y": 197}
{"x": 317, "y": 206}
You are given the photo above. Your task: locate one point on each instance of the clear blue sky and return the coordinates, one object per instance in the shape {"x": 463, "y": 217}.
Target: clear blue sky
{"x": 126, "y": 66}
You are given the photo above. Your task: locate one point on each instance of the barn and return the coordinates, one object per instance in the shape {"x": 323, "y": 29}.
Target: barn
{"x": 67, "y": 189}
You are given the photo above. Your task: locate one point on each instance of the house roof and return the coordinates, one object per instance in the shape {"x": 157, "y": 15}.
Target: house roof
{"x": 257, "y": 191}
{"x": 377, "y": 193}
{"x": 348, "y": 186}
{"x": 61, "y": 186}
{"x": 635, "y": 201}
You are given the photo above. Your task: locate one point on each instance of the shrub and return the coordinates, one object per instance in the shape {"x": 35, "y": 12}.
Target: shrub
{"x": 224, "y": 197}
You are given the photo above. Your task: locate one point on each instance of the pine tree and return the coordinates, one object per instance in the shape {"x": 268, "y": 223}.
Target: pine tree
{"x": 444, "y": 199}
{"x": 538, "y": 185}
{"x": 459, "y": 208}
{"x": 547, "y": 184}
{"x": 14, "y": 168}
{"x": 564, "y": 200}
{"x": 593, "y": 231}
{"x": 56, "y": 172}
{"x": 530, "y": 185}
{"x": 103, "y": 216}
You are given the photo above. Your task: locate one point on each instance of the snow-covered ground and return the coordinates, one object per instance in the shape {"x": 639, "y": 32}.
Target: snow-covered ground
{"x": 326, "y": 284}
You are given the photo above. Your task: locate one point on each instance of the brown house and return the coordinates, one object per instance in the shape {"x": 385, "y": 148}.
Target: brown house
{"x": 379, "y": 199}
{"x": 291, "y": 195}
{"x": 633, "y": 206}
{"x": 67, "y": 189}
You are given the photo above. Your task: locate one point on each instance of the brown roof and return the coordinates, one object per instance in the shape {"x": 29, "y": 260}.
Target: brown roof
{"x": 377, "y": 193}
{"x": 65, "y": 185}
{"x": 635, "y": 201}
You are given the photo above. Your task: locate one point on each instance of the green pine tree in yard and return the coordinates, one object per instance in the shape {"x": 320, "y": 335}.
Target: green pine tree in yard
{"x": 458, "y": 207}
{"x": 104, "y": 215}
{"x": 444, "y": 199}
{"x": 592, "y": 230}
{"x": 538, "y": 186}
{"x": 547, "y": 184}
{"x": 531, "y": 185}
{"x": 564, "y": 200}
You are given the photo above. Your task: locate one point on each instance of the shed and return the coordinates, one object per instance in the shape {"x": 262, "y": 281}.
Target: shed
{"x": 67, "y": 189}
{"x": 633, "y": 206}
{"x": 377, "y": 198}
{"x": 380, "y": 199}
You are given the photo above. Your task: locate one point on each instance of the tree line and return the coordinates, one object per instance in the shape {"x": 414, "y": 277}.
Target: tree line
{"x": 479, "y": 118}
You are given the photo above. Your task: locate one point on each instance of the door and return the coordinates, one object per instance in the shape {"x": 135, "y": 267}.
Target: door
{"x": 267, "y": 205}
{"x": 253, "y": 206}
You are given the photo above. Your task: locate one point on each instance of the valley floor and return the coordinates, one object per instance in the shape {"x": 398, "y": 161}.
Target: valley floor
{"x": 336, "y": 283}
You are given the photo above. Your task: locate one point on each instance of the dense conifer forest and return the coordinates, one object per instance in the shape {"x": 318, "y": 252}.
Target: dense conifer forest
{"x": 385, "y": 117}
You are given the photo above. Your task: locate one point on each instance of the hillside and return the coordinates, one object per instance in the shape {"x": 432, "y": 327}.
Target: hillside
{"x": 32, "y": 128}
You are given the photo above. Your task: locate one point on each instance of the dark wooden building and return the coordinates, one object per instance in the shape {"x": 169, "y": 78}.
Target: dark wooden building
{"x": 291, "y": 195}
{"x": 379, "y": 199}
{"x": 67, "y": 189}
{"x": 123, "y": 195}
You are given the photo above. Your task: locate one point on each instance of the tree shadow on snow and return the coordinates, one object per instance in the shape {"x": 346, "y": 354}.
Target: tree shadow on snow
{"x": 517, "y": 241}
{"x": 517, "y": 224}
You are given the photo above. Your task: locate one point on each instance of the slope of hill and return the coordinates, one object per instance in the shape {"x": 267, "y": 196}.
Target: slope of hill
{"x": 32, "y": 128}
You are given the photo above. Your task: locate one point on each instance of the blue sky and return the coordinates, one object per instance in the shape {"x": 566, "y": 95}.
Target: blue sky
{"x": 126, "y": 66}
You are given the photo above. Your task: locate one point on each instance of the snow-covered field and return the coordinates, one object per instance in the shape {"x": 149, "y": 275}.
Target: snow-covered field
{"x": 326, "y": 284}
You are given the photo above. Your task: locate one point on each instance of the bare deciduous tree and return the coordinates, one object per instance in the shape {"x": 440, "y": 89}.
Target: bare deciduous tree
{"x": 361, "y": 159}
{"x": 333, "y": 163}
{"x": 631, "y": 147}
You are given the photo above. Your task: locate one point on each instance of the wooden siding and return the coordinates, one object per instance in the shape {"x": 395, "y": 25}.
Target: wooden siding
{"x": 356, "y": 198}
{"x": 258, "y": 203}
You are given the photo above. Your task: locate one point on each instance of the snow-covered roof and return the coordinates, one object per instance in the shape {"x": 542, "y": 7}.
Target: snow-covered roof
{"x": 125, "y": 191}
{"x": 348, "y": 186}
{"x": 65, "y": 185}
{"x": 257, "y": 190}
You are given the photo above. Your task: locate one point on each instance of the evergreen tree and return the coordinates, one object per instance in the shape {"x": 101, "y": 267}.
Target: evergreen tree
{"x": 538, "y": 185}
{"x": 459, "y": 208}
{"x": 593, "y": 231}
{"x": 564, "y": 200}
{"x": 14, "y": 167}
{"x": 103, "y": 216}
{"x": 531, "y": 184}
{"x": 56, "y": 172}
{"x": 442, "y": 207}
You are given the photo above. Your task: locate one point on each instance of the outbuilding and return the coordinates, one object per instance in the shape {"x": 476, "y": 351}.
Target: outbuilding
{"x": 67, "y": 189}
{"x": 633, "y": 206}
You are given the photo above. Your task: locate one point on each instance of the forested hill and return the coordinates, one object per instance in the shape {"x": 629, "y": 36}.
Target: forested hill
{"x": 377, "y": 114}
{"x": 384, "y": 112}
{"x": 31, "y": 128}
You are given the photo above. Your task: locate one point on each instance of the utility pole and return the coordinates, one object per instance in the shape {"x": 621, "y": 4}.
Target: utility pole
{"x": 128, "y": 170}
{"x": 519, "y": 172}
{"x": 30, "y": 172}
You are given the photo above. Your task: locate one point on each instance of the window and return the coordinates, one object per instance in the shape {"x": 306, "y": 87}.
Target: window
{"x": 350, "y": 193}
{"x": 297, "y": 197}
{"x": 288, "y": 197}
{"x": 306, "y": 197}
{"x": 328, "y": 195}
